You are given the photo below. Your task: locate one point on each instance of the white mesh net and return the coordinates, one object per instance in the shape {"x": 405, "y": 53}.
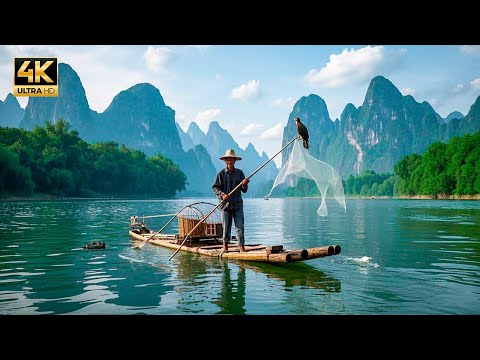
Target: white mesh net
{"x": 301, "y": 164}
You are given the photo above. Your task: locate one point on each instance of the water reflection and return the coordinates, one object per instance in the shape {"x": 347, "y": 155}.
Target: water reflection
{"x": 231, "y": 298}
{"x": 442, "y": 241}
{"x": 398, "y": 257}
{"x": 297, "y": 275}
{"x": 197, "y": 283}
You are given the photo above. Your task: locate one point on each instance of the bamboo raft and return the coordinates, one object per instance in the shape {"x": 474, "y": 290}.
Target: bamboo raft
{"x": 256, "y": 252}
{"x": 206, "y": 239}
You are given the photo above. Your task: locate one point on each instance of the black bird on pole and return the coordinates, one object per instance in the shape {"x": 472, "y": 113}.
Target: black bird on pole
{"x": 303, "y": 132}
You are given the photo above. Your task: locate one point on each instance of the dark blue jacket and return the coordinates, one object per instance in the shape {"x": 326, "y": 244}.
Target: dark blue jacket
{"x": 226, "y": 182}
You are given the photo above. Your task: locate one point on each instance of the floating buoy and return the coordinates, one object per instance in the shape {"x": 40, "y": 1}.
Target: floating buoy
{"x": 94, "y": 245}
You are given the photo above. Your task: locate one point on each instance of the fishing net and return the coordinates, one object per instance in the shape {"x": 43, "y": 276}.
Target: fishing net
{"x": 301, "y": 164}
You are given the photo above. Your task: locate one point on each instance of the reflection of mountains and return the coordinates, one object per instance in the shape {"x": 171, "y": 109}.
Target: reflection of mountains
{"x": 296, "y": 274}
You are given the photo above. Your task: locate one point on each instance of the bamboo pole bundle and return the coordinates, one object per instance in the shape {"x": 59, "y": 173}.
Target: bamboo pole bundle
{"x": 321, "y": 251}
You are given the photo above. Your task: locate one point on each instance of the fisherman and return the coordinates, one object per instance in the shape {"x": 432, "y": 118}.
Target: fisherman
{"x": 227, "y": 179}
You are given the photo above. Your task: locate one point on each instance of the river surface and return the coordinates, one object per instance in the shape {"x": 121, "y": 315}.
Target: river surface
{"x": 398, "y": 257}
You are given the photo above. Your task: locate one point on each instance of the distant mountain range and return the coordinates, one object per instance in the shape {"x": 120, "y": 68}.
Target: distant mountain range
{"x": 374, "y": 136}
{"x": 10, "y": 112}
{"x": 377, "y": 134}
{"x": 453, "y": 115}
{"x": 138, "y": 118}
{"x": 217, "y": 140}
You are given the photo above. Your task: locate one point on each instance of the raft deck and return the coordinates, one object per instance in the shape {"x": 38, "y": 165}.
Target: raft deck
{"x": 254, "y": 252}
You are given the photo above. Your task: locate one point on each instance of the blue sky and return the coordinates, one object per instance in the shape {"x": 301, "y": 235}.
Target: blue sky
{"x": 250, "y": 90}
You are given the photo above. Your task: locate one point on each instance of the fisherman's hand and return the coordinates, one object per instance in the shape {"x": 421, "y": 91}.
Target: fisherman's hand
{"x": 225, "y": 196}
{"x": 245, "y": 182}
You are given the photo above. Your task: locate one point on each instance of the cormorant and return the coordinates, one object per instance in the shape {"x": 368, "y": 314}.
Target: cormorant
{"x": 303, "y": 132}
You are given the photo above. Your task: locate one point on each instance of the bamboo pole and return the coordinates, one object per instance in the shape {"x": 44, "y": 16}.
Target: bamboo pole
{"x": 337, "y": 249}
{"x": 154, "y": 216}
{"x": 297, "y": 255}
{"x": 229, "y": 194}
{"x": 321, "y": 251}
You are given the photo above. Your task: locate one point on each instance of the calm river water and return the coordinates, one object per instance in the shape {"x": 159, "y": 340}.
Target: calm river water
{"x": 398, "y": 257}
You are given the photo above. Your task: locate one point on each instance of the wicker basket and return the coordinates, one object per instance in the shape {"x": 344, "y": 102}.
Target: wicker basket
{"x": 191, "y": 215}
{"x": 186, "y": 224}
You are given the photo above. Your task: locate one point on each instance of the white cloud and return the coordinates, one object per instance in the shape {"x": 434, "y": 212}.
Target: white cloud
{"x": 459, "y": 88}
{"x": 470, "y": 49}
{"x": 181, "y": 119}
{"x": 475, "y": 84}
{"x": 247, "y": 91}
{"x": 288, "y": 102}
{"x": 408, "y": 91}
{"x": 156, "y": 58}
{"x": 252, "y": 130}
{"x": 274, "y": 133}
{"x": 204, "y": 118}
{"x": 355, "y": 66}
{"x": 434, "y": 102}
{"x": 278, "y": 101}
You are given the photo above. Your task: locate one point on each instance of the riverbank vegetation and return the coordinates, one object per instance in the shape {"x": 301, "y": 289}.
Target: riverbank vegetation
{"x": 55, "y": 161}
{"x": 446, "y": 170}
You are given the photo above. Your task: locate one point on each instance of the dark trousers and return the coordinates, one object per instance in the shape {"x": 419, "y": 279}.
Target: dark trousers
{"x": 237, "y": 216}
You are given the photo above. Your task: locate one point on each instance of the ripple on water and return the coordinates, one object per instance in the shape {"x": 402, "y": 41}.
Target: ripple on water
{"x": 443, "y": 242}
{"x": 95, "y": 287}
{"x": 102, "y": 280}
{"x": 94, "y": 272}
{"x": 455, "y": 219}
{"x": 144, "y": 285}
{"x": 453, "y": 237}
{"x": 7, "y": 281}
{"x": 23, "y": 273}
{"x": 62, "y": 265}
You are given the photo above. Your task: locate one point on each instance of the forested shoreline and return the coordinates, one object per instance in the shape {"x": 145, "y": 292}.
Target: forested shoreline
{"x": 445, "y": 171}
{"x": 53, "y": 161}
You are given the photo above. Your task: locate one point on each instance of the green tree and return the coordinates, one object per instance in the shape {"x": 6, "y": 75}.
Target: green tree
{"x": 14, "y": 178}
{"x": 404, "y": 169}
{"x": 434, "y": 179}
{"x": 62, "y": 182}
{"x": 458, "y": 150}
{"x": 57, "y": 161}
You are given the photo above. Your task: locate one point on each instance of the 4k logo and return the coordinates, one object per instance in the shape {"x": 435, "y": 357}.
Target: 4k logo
{"x": 36, "y": 76}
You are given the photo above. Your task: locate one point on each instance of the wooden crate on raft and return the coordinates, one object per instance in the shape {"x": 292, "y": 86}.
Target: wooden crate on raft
{"x": 214, "y": 229}
{"x": 186, "y": 224}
